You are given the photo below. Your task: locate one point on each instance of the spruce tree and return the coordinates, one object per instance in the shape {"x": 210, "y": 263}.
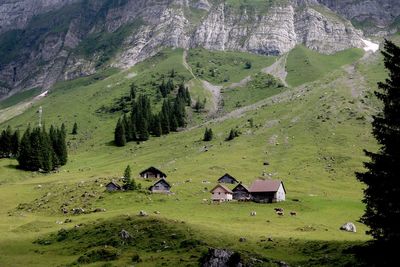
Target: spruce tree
{"x": 132, "y": 93}
{"x": 127, "y": 173}
{"x": 46, "y": 151}
{"x": 142, "y": 128}
{"x": 60, "y": 148}
{"x": 119, "y": 134}
{"x": 156, "y": 128}
{"x": 25, "y": 150}
{"x": 382, "y": 177}
{"x": 208, "y": 135}
{"x": 75, "y": 129}
{"x": 15, "y": 140}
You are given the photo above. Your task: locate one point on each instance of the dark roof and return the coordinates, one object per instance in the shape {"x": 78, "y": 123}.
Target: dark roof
{"x": 266, "y": 186}
{"x": 162, "y": 181}
{"x": 228, "y": 175}
{"x": 153, "y": 169}
{"x": 245, "y": 187}
{"x": 114, "y": 183}
{"x": 226, "y": 189}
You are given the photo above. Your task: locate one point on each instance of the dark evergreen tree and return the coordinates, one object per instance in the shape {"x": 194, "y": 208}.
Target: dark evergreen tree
{"x": 208, "y": 135}
{"x": 15, "y": 140}
{"x": 183, "y": 93}
{"x": 75, "y": 129}
{"x": 128, "y": 128}
{"x": 119, "y": 134}
{"x": 156, "y": 126}
{"x": 25, "y": 150}
{"x": 132, "y": 93}
{"x": 54, "y": 139}
{"x": 232, "y": 134}
{"x": 46, "y": 151}
{"x": 127, "y": 173}
{"x": 179, "y": 111}
{"x": 6, "y": 143}
{"x": 173, "y": 123}
{"x": 142, "y": 128}
{"x": 382, "y": 177}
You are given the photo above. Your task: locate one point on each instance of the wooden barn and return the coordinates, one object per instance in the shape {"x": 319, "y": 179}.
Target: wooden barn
{"x": 221, "y": 193}
{"x": 241, "y": 193}
{"x": 227, "y": 179}
{"x": 153, "y": 172}
{"x": 161, "y": 186}
{"x": 113, "y": 186}
{"x": 267, "y": 191}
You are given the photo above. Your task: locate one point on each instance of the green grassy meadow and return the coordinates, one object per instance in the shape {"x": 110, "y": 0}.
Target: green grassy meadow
{"x": 312, "y": 136}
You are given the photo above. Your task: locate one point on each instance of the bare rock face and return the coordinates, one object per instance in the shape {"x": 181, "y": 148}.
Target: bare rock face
{"x": 57, "y": 38}
{"x": 221, "y": 258}
{"x": 15, "y": 14}
{"x": 380, "y": 13}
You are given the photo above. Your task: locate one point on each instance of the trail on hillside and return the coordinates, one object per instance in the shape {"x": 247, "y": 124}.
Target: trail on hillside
{"x": 215, "y": 90}
{"x": 186, "y": 65}
{"x": 242, "y": 83}
{"x": 18, "y": 109}
{"x": 278, "y": 69}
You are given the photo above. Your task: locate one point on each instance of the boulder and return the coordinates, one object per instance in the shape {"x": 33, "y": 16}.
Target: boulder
{"x": 142, "y": 213}
{"x": 349, "y": 227}
{"x": 221, "y": 258}
{"x": 124, "y": 234}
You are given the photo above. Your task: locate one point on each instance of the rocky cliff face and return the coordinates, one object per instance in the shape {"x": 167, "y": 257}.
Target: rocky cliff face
{"x": 375, "y": 17}
{"x": 43, "y": 41}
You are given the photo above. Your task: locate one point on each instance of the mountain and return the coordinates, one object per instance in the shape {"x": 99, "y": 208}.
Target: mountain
{"x": 45, "y": 41}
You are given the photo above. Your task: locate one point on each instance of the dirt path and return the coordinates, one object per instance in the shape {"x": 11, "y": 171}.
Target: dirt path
{"x": 186, "y": 65}
{"x": 18, "y": 109}
{"x": 278, "y": 69}
{"x": 242, "y": 83}
{"x": 215, "y": 91}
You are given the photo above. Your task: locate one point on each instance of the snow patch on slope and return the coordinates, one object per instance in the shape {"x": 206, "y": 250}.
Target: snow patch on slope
{"x": 370, "y": 46}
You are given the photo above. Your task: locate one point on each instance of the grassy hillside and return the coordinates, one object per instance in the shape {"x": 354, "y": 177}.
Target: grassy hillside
{"x": 304, "y": 65}
{"x": 312, "y": 136}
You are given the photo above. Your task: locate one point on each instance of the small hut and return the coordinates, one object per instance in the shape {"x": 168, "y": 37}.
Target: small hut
{"x": 227, "y": 179}
{"x": 113, "y": 186}
{"x": 161, "y": 186}
{"x": 267, "y": 191}
{"x": 221, "y": 193}
{"x": 153, "y": 172}
{"x": 241, "y": 193}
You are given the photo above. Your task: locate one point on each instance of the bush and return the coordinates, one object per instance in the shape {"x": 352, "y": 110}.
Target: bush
{"x": 99, "y": 254}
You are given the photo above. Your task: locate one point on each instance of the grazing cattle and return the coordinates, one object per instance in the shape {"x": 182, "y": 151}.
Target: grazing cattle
{"x": 253, "y": 213}
{"x": 280, "y": 213}
{"x": 293, "y": 213}
{"x": 279, "y": 209}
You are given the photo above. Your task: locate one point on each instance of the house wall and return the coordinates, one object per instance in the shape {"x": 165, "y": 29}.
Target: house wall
{"x": 152, "y": 175}
{"x": 112, "y": 188}
{"x": 280, "y": 194}
{"x": 220, "y": 194}
{"x": 241, "y": 194}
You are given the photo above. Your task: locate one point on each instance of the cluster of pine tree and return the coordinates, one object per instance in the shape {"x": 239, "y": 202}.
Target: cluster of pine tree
{"x": 142, "y": 122}
{"x": 42, "y": 150}
{"x": 9, "y": 143}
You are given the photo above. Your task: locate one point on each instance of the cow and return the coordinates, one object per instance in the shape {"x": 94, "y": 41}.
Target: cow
{"x": 280, "y": 213}
{"x": 278, "y": 209}
{"x": 253, "y": 213}
{"x": 293, "y": 213}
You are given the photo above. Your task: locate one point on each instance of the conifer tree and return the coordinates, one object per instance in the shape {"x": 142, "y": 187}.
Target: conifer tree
{"x": 208, "y": 135}
{"x": 25, "y": 150}
{"x": 46, "y": 151}
{"x": 75, "y": 129}
{"x": 128, "y": 128}
{"x": 119, "y": 134}
{"x": 127, "y": 173}
{"x": 156, "y": 128}
{"x": 15, "y": 140}
{"x": 142, "y": 128}
{"x": 132, "y": 93}
{"x": 382, "y": 177}
{"x": 232, "y": 134}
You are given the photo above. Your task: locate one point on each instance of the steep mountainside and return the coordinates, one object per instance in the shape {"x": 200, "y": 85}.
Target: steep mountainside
{"x": 44, "y": 41}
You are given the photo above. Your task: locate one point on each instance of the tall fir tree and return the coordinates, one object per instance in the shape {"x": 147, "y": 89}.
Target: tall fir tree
{"x": 382, "y": 177}
{"x": 119, "y": 134}
{"x": 208, "y": 135}
{"x": 15, "y": 141}
{"x": 75, "y": 129}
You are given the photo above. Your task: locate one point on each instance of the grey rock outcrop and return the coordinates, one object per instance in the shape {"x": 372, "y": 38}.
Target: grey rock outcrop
{"x": 48, "y": 53}
{"x": 349, "y": 227}
{"x": 221, "y": 258}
